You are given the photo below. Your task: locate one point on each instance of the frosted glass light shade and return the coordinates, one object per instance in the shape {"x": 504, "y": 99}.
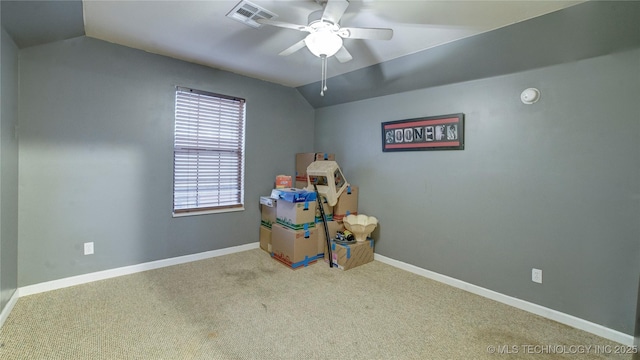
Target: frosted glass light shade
{"x": 323, "y": 43}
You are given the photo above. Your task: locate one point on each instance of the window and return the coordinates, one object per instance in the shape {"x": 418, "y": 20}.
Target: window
{"x": 208, "y": 153}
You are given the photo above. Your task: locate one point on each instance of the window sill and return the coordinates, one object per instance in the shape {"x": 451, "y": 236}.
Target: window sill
{"x": 206, "y": 212}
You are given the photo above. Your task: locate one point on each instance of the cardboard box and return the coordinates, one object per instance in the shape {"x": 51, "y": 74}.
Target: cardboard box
{"x": 267, "y": 215}
{"x": 268, "y": 200}
{"x": 334, "y": 227}
{"x": 347, "y": 203}
{"x": 296, "y": 215}
{"x": 304, "y": 159}
{"x": 347, "y": 257}
{"x": 283, "y": 182}
{"x": 328, "y": 211}
{"x": 294, "y": 248}
{"x": 265, "y": 239}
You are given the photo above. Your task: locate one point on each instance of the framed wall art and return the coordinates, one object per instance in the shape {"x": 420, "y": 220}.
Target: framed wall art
{"x": 445, "y": 132}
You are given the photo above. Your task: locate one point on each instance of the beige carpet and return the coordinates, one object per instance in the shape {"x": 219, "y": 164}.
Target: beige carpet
{"x": 248, "y": 306}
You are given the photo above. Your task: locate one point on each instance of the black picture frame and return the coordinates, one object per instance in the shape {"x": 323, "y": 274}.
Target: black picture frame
{"x": 443, "y": 132}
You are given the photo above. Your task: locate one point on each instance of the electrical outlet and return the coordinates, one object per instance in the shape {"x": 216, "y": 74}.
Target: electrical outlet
{"x": 536, "y": 276}
{"x": 88, "y": 248}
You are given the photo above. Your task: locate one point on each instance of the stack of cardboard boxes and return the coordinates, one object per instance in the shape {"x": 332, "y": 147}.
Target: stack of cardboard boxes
{"x": 294, "y": 237}
{"x": 292, "y": 230}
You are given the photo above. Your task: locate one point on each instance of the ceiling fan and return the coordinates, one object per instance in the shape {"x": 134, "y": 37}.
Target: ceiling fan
{"x": 326, "y": 34}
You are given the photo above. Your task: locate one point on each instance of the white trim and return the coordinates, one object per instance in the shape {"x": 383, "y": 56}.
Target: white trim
{"x": 206, "y": 212}
{"x": 558, "y": 316}
{"x": 127, "y": 270}
{"x": 7, "y": 308}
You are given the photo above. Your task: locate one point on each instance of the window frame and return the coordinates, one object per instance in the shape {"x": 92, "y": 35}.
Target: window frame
{"x": 198, "y": 146}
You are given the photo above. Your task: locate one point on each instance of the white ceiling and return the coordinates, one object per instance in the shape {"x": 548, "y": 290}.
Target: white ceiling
{"x": 200, "y": 32}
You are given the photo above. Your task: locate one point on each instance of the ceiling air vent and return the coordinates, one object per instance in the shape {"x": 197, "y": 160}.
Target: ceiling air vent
{"x": 247, "y": 13}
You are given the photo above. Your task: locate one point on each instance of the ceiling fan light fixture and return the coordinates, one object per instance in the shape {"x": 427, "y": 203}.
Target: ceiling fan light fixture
{"x": 323, "y": 43}
{"x": 325, "y": 34}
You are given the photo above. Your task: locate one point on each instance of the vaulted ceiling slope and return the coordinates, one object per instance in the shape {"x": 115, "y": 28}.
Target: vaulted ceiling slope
{"x": 572, "y": 33}
{"x": 590, "y": 29}
{"x": 31, "y": 23}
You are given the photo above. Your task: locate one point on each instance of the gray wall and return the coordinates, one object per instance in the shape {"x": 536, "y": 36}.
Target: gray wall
{"x": 9, "y": 170}
{"x": 96, "y": 142}
{"x": 554, "y": 185}
{"x": 636, "y": 340}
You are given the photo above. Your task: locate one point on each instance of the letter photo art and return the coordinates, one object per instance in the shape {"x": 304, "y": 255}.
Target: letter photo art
{"x": 445, "y": 132}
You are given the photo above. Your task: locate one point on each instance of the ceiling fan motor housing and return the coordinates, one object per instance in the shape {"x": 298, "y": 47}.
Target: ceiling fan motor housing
{"x": 323, "y": 39}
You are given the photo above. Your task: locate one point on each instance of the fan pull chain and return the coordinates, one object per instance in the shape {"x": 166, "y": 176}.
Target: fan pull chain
{"x": 323, "y": 83}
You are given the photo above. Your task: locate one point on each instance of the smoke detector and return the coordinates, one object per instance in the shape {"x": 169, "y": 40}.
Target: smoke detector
{"x": 530, "y": 96}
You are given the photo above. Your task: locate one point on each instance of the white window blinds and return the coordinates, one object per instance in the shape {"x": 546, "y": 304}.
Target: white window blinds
{"x": 208, "y": 153}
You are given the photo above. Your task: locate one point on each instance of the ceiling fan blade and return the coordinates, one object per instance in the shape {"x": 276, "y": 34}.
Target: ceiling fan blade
{"x": 283, "y": 24}
{"x": 366, "y": 33}
{"x": 343, "y": 55}
{"x": 334, "y": 9}
{"x": 293, "y": 48}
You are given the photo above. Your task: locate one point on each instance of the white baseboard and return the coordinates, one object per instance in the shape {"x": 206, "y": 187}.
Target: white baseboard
{"x": 126, "y": 270}
{"x": 7, "y": 309}
{"x": 551, "y": 314}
